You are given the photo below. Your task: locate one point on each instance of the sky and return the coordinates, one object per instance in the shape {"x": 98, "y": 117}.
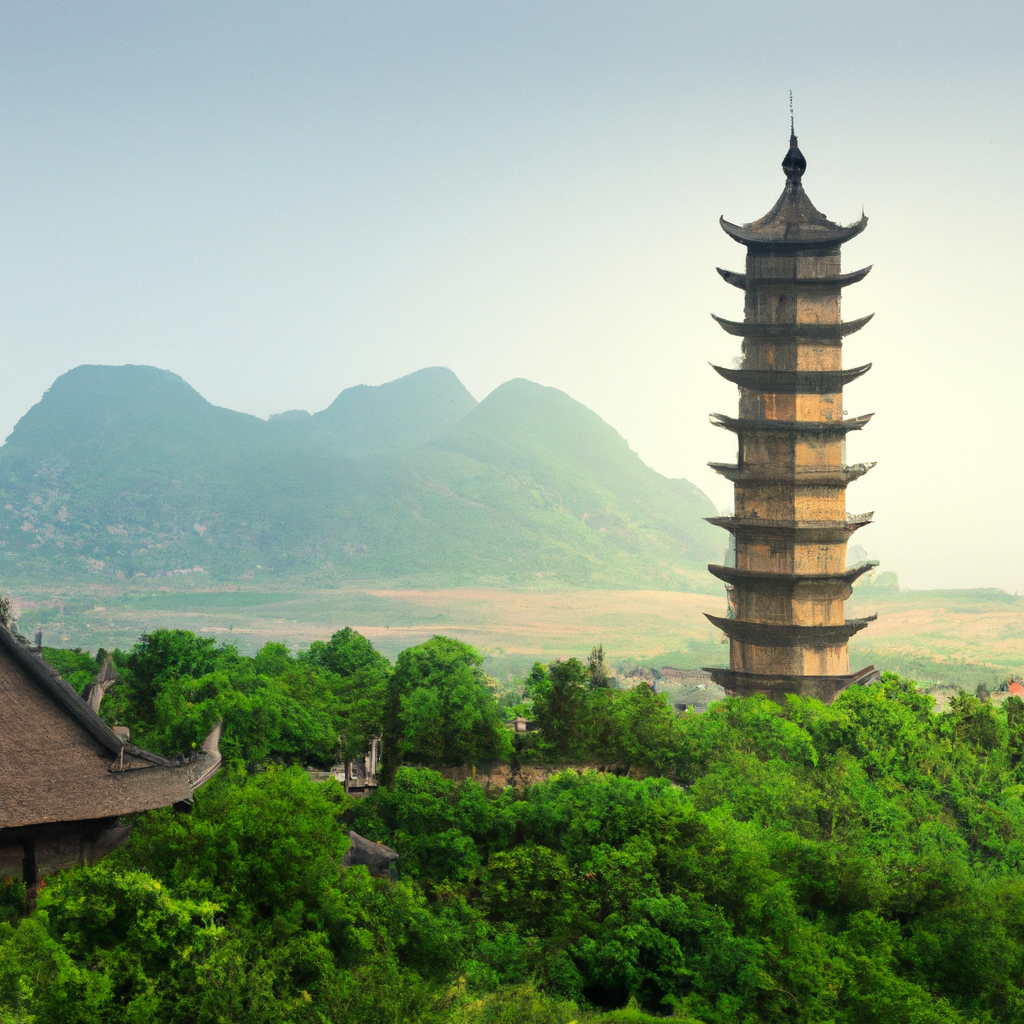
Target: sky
{"x": 281, "y": 200}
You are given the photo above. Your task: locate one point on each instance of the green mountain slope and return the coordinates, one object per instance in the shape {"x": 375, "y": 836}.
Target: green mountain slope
{"x": 128, "y": 470}
{"x": 403, "y": 413}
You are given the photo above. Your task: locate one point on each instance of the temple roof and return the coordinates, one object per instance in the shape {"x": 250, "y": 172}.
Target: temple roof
{"x": 787, "y": 634}
{"x": 793, "y": 220}
{"x": 839, "y": 281}
{"x": 793, "y": 382}
{"x": 730, "y": 574}
{"x": 378, "y": 858}
{"x": 760, "y": 472}
{"x": 61, "y": 762}
{"x": 752, "y": 330}
{"x": 808, "y": 531}
{"x": 790, "y": 426}
{"x": 776, "y": 686}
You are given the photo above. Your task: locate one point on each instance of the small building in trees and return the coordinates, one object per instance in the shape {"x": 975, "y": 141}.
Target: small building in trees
{"x": 66, "y": 778}
{"x": 789, "y": 579}
{"x": 380, "y": 860}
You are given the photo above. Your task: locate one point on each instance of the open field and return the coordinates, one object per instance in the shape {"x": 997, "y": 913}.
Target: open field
{"x": 959, "y": 636}
{"x": 637, "y": 624}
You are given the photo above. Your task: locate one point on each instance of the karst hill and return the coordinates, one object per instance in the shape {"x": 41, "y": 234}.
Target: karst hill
{"x": 127, "y": 470}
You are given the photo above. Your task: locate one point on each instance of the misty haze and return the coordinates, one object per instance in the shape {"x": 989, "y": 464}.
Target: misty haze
{"x": 509, "y": 513}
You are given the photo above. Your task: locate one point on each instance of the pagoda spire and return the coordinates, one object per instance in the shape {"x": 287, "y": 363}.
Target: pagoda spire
{"x": 786, "y": 626}
{"x": 794, "y": 163}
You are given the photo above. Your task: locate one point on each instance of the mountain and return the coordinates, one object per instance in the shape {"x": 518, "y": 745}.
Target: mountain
{"x": 364, "y": 420}
{"x": 128, "y": 470}
{"x": 405, "y": 413}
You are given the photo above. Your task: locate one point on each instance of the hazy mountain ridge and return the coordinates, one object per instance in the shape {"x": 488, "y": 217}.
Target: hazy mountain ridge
{"x": 369, "y": 420}
{"x": 128, "y": 470}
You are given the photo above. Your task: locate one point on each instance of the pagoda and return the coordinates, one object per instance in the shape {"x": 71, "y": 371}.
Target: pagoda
{"x": 788, "y": 582}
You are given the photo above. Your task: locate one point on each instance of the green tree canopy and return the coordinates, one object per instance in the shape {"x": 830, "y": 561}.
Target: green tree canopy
{"x": 440, "y": 709}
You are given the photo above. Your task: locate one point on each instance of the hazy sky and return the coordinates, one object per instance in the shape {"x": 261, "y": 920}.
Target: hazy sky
{"x": 281, "y": 200}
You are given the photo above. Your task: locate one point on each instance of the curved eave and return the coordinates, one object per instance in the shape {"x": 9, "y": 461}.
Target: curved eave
{"x": 793, "y": 382}
{"x": 742, "y": 684}
{"x": 753, "y": 331}
{"x": 806, "y": 475}
{"x": 143, "y": 789}
{"x": 784, "y": 634}
{"x": 743, "y": 281}
{"x": 741, "y": 426}
{"x": 802, "y": 531}
{"x": 794, "y": 235}
{"x": 781, "y": 580}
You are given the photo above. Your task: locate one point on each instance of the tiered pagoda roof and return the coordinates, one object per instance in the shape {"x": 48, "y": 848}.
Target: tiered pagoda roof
{"x": 786, "y": 627}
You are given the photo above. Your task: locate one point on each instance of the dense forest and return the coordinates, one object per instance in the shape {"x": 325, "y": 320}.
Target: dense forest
{"x": 857, "y": 863}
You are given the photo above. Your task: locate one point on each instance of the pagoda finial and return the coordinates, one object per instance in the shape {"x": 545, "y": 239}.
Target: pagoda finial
{"x": 794, "y": 164}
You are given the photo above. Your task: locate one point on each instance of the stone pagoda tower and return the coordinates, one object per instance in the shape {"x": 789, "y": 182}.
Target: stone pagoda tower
{"x": 787, "y": 587}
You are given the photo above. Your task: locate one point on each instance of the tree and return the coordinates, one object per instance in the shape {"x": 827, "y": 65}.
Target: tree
{"x": 359, "y": 678}
{"x": 559, "y": 703}
{"x": 598, "y": 671}
{"x": 439, "y": 708}
{"x": 346, "y": 654}
{"x": 159, "y": 657}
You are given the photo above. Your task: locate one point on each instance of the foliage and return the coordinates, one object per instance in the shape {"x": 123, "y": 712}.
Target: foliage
{"x": 559, "y": 704}
{"x": 599, "y": 676}
{"x": 310, "y": 709}
{"x": 857, "y": 862}
{"x": 580, "y": 718}
{"x": 851, "y": 863}
{"x": 78, "y": 667}
{"x": 359, "y": 676}
{"x": 438, "y": 709}
{"x": 12, "y": 898}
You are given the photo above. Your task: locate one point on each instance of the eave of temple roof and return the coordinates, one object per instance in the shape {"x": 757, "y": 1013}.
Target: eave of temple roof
{"x": 91, "y": 773}
{"x": 793, "y": 382}
{"x": 754, "y": 331}
{"x": 740, "y": 426}
{"x": 803, "y": 530}
{"x": 793, "y": 222}
{"x": 785, "y": 634}
{"x": 744, "y": 281}
{"x": 785, "y": 580}
{"x": 743, "y": 683}
{"x": 836, "y": 476}
{"x": 376, "y": 856}
{"x": 62, "y": 692}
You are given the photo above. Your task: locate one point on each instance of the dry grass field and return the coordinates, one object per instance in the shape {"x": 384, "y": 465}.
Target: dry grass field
{"x": 958, "y": 637}
{"x": 546, "y": 623}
